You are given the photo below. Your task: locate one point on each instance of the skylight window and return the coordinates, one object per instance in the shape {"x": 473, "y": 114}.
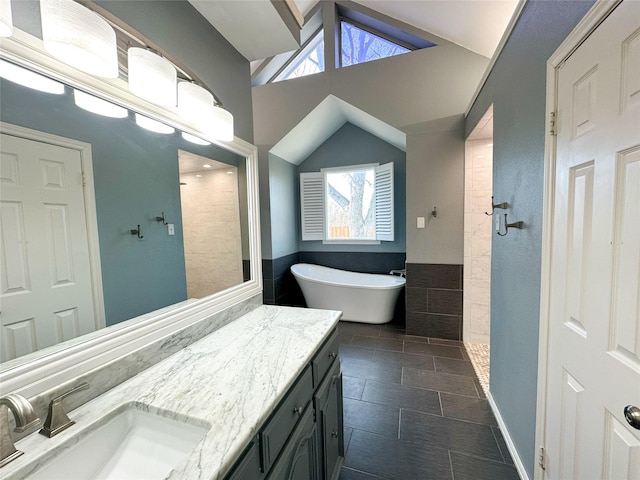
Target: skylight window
{"x": 310, "y": 60}
{"x": 359, "y": 45}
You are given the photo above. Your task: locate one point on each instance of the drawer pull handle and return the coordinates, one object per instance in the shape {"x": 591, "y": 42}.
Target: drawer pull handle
{"x": 334, "y": 434}
{"x": 333, "y": 355}
{"x": 298, "y": 410}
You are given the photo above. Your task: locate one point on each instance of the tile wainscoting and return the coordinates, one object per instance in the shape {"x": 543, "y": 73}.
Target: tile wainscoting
{"x": 434, "y": 300}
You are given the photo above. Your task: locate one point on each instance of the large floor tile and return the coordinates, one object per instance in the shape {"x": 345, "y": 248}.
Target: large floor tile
{"x": 400, "y": 396}
{"x": 434, "y": 350}
{"x": 450, "y": 434}
{"x": 442, "y": 382}
{"x": 471, "y": 409}
{"x": 371, "y": 370}
{"x": 351, "y": 351}
{"x": 352, "y": 387}
{"x": 347, "y": 473}
{"x": 502, "y": 445}
{"x": 396, "y": 459}
{"x": 355, "y": 328}
{"x": 378, "y": 343}
{"x": 372, "y": 417}
{"x": 456, "y": 367}
{"x": 412, "y": 360}
{"x": 472, "y": 468}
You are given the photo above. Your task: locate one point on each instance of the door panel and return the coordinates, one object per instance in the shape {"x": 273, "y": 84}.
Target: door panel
{"x": 45, "y": 279}
{"x": 594, "y": 295}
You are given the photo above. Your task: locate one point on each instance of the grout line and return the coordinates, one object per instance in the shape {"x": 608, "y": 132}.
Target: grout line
{"x": 451, "y": 465}
{"x": 504, "y": 460}
{"x": 402, "y": 375}
{"x": 400, "y": 421}
{"x": 441, "y": 407}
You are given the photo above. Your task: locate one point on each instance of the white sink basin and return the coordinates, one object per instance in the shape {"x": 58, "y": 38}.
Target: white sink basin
{"x": 128, "y": 443}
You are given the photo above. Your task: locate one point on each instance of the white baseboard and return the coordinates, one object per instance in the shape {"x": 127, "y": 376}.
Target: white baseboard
{"x": 507, "y": 438}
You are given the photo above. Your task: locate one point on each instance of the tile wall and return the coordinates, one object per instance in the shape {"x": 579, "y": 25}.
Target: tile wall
{"x": 434, "y": 300}
{"x": 211, "y": 224}
{"x": 478, "y": 228}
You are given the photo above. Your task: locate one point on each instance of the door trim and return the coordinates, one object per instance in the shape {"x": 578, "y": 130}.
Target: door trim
{"x": 594, "y": 17}
{"x": 91, "y": 217}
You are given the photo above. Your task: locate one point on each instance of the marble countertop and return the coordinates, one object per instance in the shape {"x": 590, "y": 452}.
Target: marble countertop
{"x": 232, "y": 380}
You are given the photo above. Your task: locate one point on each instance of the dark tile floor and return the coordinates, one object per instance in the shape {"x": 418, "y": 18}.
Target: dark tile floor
{"x": 414, "y": 410}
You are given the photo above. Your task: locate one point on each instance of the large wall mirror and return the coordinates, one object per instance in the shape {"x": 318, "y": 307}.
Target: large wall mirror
{"x": 144, "y": 229}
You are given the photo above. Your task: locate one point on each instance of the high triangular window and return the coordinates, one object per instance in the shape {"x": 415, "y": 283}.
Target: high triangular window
{"x": 308, "y": 61}
{"x": 359, "y": 45}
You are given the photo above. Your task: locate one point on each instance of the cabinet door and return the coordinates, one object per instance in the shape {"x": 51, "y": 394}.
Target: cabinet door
{"x": 298, "y": 460}
{"x": 328, "y": 401}
{"x": 248, "y": 467}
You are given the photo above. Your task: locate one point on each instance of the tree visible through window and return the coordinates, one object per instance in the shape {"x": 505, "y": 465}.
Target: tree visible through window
{"x": 350, "y": 204}
{"x": 360, "y": 46}
{"x": 310, "y": 60}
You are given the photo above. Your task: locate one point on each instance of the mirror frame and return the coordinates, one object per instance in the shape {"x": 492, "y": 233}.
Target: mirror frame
{"x": 93, "y": 350}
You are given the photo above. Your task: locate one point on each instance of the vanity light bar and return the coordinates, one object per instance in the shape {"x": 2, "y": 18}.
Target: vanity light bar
{"x": 153, "y": 125}
{"x": 29, "y": 79}
{"x": 193, "y": 139}
{"x": 97, "y": 105}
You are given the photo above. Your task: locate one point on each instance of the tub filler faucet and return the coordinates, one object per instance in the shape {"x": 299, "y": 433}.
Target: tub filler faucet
{"x": 25, "y": 418}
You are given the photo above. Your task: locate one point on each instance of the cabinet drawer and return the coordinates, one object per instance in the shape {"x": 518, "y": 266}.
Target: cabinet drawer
{"x": 325, "y": 357}
{"x": 299, "y": 459}
{"x": 278, "y": 428}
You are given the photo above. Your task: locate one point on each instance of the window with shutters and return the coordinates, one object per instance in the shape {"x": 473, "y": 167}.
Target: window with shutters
{"x": 348, "y": 204}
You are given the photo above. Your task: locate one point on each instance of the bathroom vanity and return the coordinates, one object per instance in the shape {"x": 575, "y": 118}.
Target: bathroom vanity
{"x": 265, "y": 390}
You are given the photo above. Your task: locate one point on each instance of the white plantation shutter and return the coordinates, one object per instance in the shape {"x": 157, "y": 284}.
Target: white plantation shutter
{"x": 312, "y": 205}
{"x": 384, "y": 202}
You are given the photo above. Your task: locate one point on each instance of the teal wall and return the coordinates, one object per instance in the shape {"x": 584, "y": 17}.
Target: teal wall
{"x": 516, "y": 87}
{"x": 285, "y": 206}
{"x": 351, "y": 145}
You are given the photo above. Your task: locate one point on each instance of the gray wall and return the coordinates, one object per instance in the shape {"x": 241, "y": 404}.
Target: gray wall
{"x": 435, "y": 178}
{"x": 351, "y": 145}
{"x": 405, "y": 92}
{"x": 516, "y": 87}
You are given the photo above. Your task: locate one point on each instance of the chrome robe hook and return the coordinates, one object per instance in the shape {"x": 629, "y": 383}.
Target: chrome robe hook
{"x": 507, "y": 226}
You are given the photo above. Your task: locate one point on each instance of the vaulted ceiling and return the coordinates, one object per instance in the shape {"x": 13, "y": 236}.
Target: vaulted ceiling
{"x": 259, "y": 29}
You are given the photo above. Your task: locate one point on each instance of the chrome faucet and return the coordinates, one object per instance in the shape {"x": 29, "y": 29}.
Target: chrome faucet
{"x": 25, "y": 418}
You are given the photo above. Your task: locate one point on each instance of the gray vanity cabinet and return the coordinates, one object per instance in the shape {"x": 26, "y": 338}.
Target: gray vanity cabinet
{"x": 328, "y": 403}
{"x": 303, "y": 437}
{"x": 299, "y": 459}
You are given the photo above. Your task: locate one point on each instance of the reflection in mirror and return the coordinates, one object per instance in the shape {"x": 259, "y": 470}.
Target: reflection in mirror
{"x": 71, "y": 194}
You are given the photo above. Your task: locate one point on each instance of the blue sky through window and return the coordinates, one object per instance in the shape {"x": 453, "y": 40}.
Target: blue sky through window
{"x": 360, "y": 46}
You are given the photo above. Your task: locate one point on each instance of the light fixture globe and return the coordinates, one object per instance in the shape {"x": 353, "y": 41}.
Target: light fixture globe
{"x": 152, "y": 77}
{"x": 29, "y": 79}
{"x": 97, "y": 105}
{"x": 194, "y": 102}
{"x": 6, "y": 19}
{"x": 79, "y": 37}
{"x": 221, "y": 126}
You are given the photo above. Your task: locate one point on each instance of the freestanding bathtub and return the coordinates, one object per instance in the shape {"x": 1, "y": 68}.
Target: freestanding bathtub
{"x": 362, "y": 297}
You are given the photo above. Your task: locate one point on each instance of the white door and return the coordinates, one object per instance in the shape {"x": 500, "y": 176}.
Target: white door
{"x": 45, "y": 274}
{"x": 593, "y": 368}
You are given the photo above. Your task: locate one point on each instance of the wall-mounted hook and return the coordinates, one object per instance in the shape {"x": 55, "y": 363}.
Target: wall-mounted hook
{"x": 161, "y": 219}
{"x": 434, "y": 213}
{"x": 137, "y": 231}
{"x": 501, "y": 206}
{"x": 507, "y": 226}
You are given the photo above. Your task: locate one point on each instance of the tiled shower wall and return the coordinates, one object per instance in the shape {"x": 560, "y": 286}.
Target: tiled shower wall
{"x": 477, "y": 240}
{"x": 211, "y": 223}
{"x": 434, "y": 300}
